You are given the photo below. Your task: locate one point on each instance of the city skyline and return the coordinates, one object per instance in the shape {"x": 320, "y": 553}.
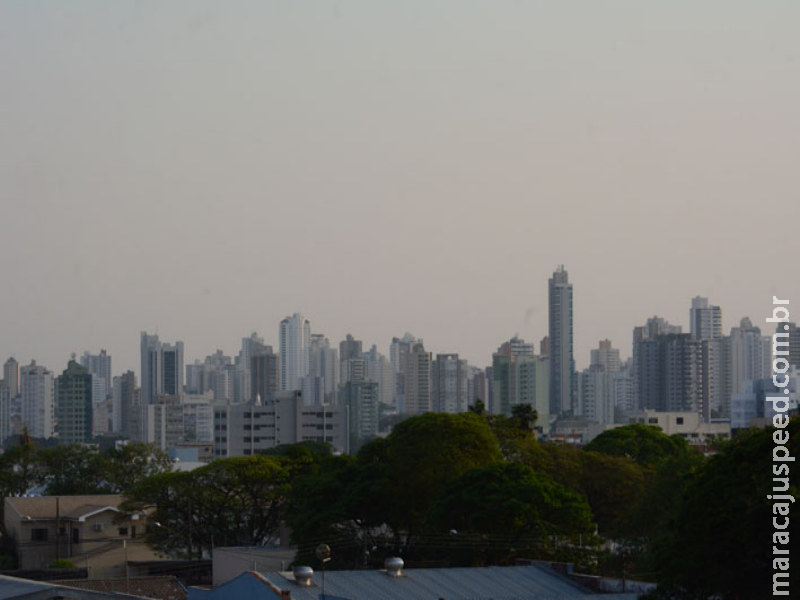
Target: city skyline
{"x": 200, "y": 172}
{"x": 581, "y": 361}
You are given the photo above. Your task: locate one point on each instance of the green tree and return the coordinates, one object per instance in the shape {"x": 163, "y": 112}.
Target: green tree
{"x": 723, "y": 536}
{"x": 507, "y": 508}
{"x": 525, "y": 416}
{"x": 646, "y": 444}
{"x": 380, "y": 499}
{"x": 425, "y": 453}
{"x": 72, "y": 470}
{"x": 613, "y": 485}
{"x": 232, "y": 501}
{"x": 125, "y": 467}
{"x": 19, "y": 467}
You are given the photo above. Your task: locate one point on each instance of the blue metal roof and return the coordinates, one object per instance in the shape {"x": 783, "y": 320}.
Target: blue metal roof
{"x": 532, "y": 582}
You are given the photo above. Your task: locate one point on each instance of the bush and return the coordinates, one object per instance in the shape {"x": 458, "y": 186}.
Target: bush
{"x": 62, "y": 563}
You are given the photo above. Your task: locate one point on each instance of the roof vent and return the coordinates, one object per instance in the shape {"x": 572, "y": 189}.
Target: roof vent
{"x": 394, "y": 566}
{"x": 302, "y": 576}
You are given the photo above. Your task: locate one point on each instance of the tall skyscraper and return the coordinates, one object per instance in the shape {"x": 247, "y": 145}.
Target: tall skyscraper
{"x": 74, "y": 406}
{"x": 36, "y": 388}
{"x": 597, "y": 393}
{"x": 11, "y": 376}
{"x": 705, "y": 322}
{"x": 263, "y": 374}
{"x": 123, "y": 403}
{"x": 399, "y": 355}
{"x": 295, "y": 338}
{"x": 320, "y": 385}
{"x": 150, "y": 368}
{"x": 361, "y": 400}
{"x": 675, "y": 372}
{"x": 790, "y": 332}
{"x": 352, "y": 363}
{"x": 643, "y": 354}
{"x": 418, "y": 381}
{"x": 98, "y": 365}
{"x": 162, "y": 369}
{"x": 520, "y": 377}
{"x": 379, "y": 370}
{"x": 449, "y": 384}
{"x": 562, "y": 362}
{"x": 172, "y": 369}
{"x": 744, "y": 355}
{"x": 5, "y": 412}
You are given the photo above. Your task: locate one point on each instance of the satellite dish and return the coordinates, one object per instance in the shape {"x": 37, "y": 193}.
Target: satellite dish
{"x": 323, "y": 552}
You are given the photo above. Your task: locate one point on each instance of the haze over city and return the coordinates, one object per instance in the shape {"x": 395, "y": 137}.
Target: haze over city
{"x": 203, "y": 171}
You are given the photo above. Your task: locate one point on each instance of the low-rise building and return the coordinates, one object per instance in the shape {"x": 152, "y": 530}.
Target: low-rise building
{"x": 687, "y": 424}
{"x": 82, "y": 529}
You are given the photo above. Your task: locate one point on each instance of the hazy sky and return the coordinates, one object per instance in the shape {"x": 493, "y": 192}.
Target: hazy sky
{"x": 203, "y": 169}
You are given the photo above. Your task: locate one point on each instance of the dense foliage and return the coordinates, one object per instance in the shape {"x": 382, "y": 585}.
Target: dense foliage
{"x": 466, "y": 489}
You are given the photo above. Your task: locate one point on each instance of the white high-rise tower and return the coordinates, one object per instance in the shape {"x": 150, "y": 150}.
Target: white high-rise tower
{"x": 295, "y": 340}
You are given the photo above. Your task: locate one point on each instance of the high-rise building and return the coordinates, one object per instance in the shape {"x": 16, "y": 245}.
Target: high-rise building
{"x": 5, "y": 412}
{"x": 790, "y": 332}
{"x": 562, "y": 363}
{"x": 98, "y": 365}
{"x": 623, "y": 388}
{"x": 449, "y": 384}
{"x": 598, "y": 386}
{"x": 243, "y": 380}
{"x": 399, "y": 355}
{"x": 36, "y": 389}
{"x": 417, "y": 398}
{"x": 350, "y": 348}
{"x": 74, "y": 405}
{"x": 361, "y": 400}
{"x": 162, "y": 368}
{"x": 644, "y": 387}
{"x": 295, "y": 339}
{"x": 123, "y": 403}
{"x": 675, "y": 373}
{"x": 520, "y": 377}
{"x": 352, "y": 364}
{"x": 744, "y": 355}
{"x": 172, "y": 369}
{"x": 705, "y": 321}
{"x": 477, "y": 387}
{"x": 379, "y": 370}
{"x": 164, "y": 422}
{"x": 320, "y": 385}
{"x": 263, "y": 374}
{"x": 605, "y": 356}
{"x": 11, "y": 376}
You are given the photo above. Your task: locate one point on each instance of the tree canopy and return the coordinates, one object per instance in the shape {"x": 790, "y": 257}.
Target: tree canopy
{"x": 646, "y": 444}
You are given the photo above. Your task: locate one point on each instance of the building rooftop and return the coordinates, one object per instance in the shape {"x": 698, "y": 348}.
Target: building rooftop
{"x": 74, "y": 507}
{"x": 14, "y": 587}
{"x": 532, "y": 582}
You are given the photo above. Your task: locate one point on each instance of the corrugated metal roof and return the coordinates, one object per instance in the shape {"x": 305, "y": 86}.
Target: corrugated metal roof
{"x": 487, "y": 583}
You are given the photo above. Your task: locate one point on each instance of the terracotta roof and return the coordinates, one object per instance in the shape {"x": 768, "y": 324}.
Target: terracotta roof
{"x": 44, "y": 507}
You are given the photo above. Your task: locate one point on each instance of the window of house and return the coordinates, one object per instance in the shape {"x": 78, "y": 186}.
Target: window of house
{"x": 123, "y": 531}
{"x": 679, "y": 420}
{"x": 38, "y": 535}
